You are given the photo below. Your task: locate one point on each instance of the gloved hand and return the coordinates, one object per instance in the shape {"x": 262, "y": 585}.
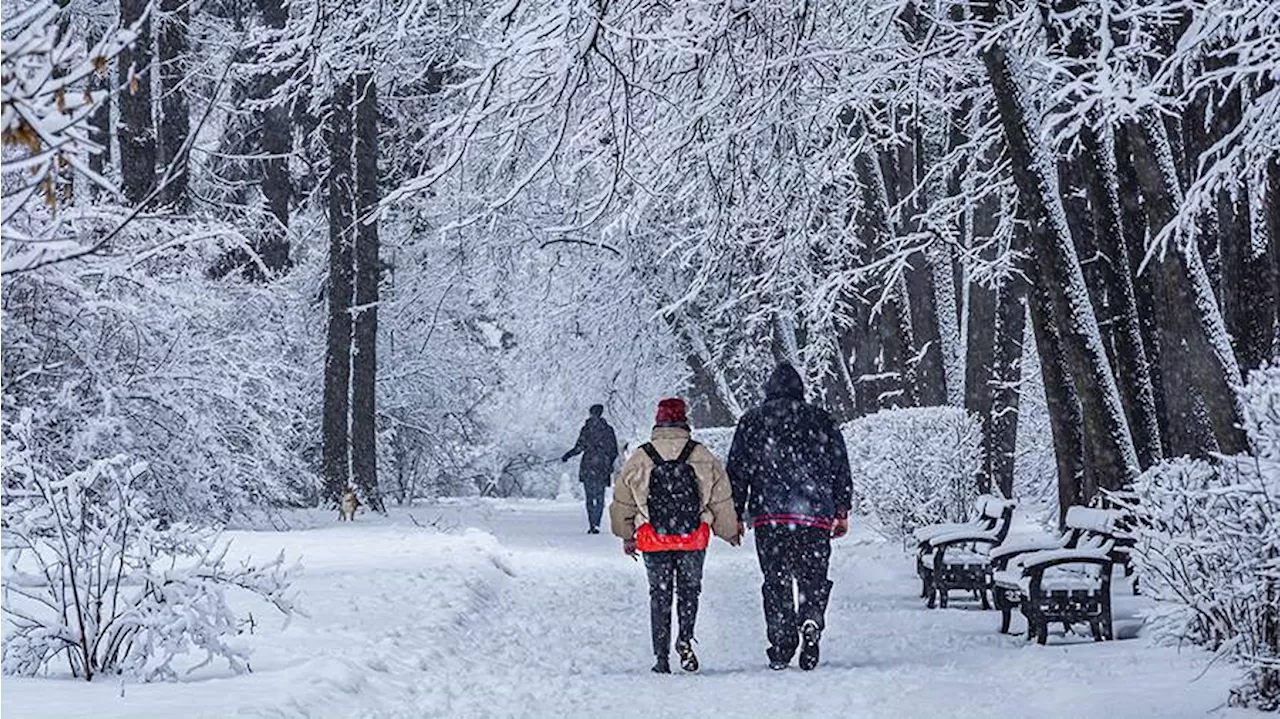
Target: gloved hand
{"x": 841, "y": 527}
{"x": 629, "y": 548}
{"x": 564, "y": 457}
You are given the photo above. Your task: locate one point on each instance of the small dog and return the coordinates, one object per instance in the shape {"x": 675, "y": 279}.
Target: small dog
{"x": 348, "y": 506}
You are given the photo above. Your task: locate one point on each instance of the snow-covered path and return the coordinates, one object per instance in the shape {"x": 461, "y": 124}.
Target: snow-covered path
{"x": 549, "y": 621}
{"x": 570, "y": 638}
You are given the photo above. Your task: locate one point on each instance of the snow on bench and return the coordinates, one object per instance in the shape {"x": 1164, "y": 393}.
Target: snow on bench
{"x": 1069, "y": 582}
{"x": 956, "y": 557}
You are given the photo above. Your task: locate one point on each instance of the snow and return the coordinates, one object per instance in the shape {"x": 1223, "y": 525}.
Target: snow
{"x": 529, "y": 616}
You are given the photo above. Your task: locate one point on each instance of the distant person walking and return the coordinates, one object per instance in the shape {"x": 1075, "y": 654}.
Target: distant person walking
{"x": 668, "y": 499}
{"x": 598, "y": 446}
{"x": 790, "y": 473}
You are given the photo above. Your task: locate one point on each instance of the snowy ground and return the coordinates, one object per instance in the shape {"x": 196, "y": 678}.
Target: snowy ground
{"x": 528, "y": 616}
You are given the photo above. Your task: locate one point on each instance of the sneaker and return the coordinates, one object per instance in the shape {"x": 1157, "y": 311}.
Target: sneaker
{"x": 662, "y": 666}
{"x": 810, "y": 635}
{"x": 688, "y": 660}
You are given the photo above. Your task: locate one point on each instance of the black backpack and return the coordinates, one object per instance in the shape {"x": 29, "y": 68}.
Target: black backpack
{"x": 674, "y": 504}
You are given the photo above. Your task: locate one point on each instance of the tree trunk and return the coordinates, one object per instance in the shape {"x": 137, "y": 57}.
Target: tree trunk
{"x": 1001, "y": 439}
{"x": 364, "y": 360}
{"x": 337, "y": 366}
{"x": 136, "y": 129}
{"x": 1271, "y": 208}
{"x": 1105, "y": 255}
{"x": 1065, "y": 421}
{"x": 1249, "y": 284}
{"x": 980, "y": 343}
{"x": 1130, "y": 359}
{"x": 884, "y": 331}
{"x": 1211, "y": 361}
{"x": 1134, "y": 227}
{"x": 1105, "y": 429}
{"x": 919, "y": 322}
{"x": 277, "y": 146}
{"x": 175, "y": 112}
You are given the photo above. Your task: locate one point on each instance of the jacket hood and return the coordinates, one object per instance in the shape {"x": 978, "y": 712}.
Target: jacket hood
{"x": 784, "y": 383}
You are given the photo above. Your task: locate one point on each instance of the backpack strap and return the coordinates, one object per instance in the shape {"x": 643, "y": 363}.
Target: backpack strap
{"x": 685, "y": 453}
{"x": 652, "y": 451}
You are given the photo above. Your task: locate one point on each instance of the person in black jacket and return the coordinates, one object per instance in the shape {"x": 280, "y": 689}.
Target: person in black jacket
{"x": 599, "y": 449}
{"x": 790, "y": 473}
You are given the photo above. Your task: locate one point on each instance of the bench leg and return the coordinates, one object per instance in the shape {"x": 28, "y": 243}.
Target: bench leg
{"x": 1042, "y": 632}
{"x": 1006, "y": 616}
{"x": 985, "y": 604}
{"x": 1096, "y": 628}
{"x": 942, "y": 598}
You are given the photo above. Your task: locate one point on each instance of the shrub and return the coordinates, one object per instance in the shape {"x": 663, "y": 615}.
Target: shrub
{"x": 93, "y": 578}
{"x": 1209, "y": 548}
{"x": 913, "y": 467}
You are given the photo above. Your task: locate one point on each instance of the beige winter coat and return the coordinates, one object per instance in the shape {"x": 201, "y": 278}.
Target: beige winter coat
{"x": 630, "y": 507}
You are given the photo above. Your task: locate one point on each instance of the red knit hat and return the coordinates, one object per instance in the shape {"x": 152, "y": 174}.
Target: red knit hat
{"x": 672, "y": 411}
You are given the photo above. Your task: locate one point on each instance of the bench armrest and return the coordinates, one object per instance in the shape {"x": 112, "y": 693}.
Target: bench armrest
{"x": 959, "y": 536}
{"x": 1053, "y": 557}
{"x": 1002, "y": 555}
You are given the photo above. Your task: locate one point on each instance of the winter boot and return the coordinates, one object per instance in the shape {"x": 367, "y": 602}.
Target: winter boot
{"x": 662, "y": 665}
{"x": 593, "y": 530}
{"x": 810, "y": 635}
{"x": 779, "y": 659}
{"x": 688, "y": 660}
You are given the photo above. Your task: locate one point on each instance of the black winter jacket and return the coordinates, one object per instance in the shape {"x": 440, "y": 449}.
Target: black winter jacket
{"x": 598, "y": 446}
{"x": 788, "y": 463}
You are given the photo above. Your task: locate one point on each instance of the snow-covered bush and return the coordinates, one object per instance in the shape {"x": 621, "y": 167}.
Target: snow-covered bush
{"x": 92, "y": 578}
{"x": 1209, "y": 548}
{"x": 210, "y": 383}
{"x": 913, "y": 467}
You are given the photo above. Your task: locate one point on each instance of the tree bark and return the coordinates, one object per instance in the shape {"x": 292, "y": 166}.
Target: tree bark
{"x": 136, "y": 129}
{"x": 1130, "y": 360}
{"x": 1107, "y": 271}
{"x": 1133, "y": 221}
{"x": 1106, "y": 431}
{"x": 1066, "y": 423}
{"x": 364, "y": 360}
{"x": 1212, "y": 366}
{"x": 1001, "y": 438}
{"x": 277, "y": 146}
{"x": 1249, "y": 282}
{"x": 1271, "y": 208}
{"x": 337, "y": 368}
{"x": 884, "y": 332}
{"x": 175, "y": 111}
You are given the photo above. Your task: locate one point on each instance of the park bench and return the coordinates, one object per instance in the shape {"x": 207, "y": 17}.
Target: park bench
{"x": 959, "y": 557}
{"x": 1064, "y": 579}
{"x": 981, "y": 522}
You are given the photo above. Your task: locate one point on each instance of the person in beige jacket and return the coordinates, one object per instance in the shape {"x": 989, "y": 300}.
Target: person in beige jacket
{"x": 669, "y": 498}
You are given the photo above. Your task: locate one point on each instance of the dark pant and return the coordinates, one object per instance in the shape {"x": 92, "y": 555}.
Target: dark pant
{"x": 679, "y": 571}
{"x": 595, "y": 502}
{"x": 792, "y": 556}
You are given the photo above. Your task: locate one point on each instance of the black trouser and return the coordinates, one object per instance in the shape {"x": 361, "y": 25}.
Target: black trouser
{"x": 595, "y": 502}
{"x": 681, "y": 571}
{"x": 792, "y": 556}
